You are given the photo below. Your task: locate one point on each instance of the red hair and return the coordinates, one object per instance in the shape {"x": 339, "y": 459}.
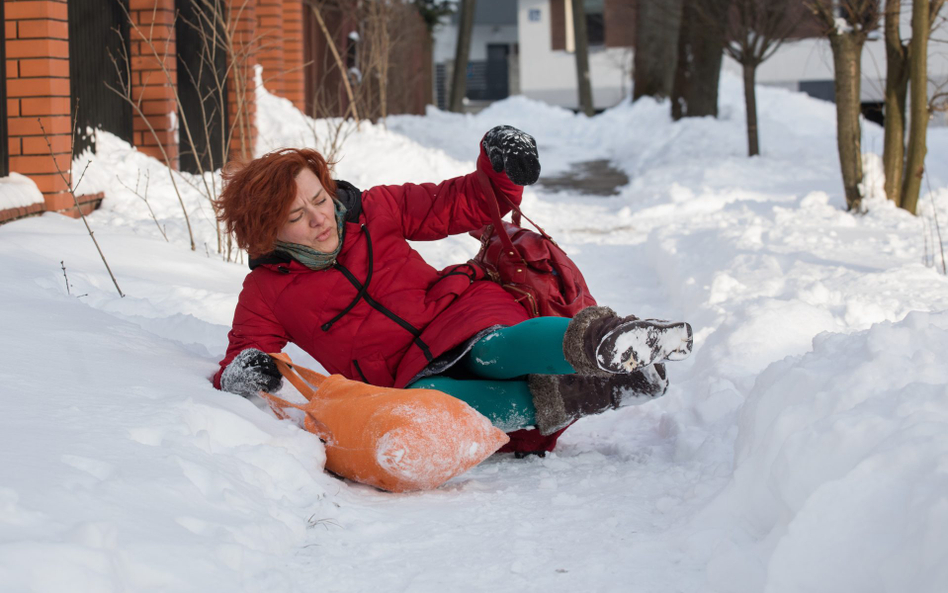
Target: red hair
{"x": 256, "y": 198}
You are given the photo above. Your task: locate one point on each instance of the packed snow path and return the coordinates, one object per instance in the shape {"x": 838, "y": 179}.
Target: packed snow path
{"x": 801, "y": 447}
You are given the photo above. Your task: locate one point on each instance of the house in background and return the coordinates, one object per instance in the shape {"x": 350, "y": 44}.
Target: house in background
{"x": 526, "y": 47}
{"x": 547, "y": 59}
{"x": 493, "y": 62}
{"x": 548, "y": 69}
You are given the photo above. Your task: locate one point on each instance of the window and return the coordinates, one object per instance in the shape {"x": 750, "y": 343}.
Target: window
{"x": 595, "y": 29}
{"x": 561, "y": 23}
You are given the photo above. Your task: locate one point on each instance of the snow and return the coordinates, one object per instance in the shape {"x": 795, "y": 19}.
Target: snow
{"x": 18, "y": 191}
{"x": 802, "y": 447}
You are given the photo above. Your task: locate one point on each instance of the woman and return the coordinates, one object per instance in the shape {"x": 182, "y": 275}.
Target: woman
{"x": 332, "y": 271}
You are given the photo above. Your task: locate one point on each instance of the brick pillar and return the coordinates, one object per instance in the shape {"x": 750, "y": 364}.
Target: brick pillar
{"x": 293, "y": 80}
{"x": 153, "y": 27}
{"x": 270, "y": 33}
{"x": 37, "y": 48}
{"x": 241, "y": 96}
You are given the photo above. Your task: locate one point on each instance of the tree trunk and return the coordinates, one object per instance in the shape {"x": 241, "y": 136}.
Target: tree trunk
{"x": 582, "y": 58}
{"x": 750, "y": 104}
{"x": 918, "y": 124}
{"x": 461, "y": 53}
{"x": 896, "y": 88}
{"x": 683, "y": 58}
{"x": 847, "y": 52}
{"x": 656, "y": 43}
{"x": 700, "y": 51}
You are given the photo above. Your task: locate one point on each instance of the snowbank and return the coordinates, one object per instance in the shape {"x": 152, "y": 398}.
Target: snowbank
{"x": 840, "y": 474}
{"x": 18, "y": 191}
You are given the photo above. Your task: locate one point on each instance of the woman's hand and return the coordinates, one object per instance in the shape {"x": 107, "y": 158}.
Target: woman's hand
{"x": 251, "y": 371}
{"x": 514, "y": 152}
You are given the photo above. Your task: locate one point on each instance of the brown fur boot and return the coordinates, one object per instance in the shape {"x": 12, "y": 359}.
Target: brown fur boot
{"x": 561, "y": 399}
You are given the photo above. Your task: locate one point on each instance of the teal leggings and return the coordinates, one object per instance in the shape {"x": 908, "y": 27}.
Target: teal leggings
{"x": 501, "y": 362}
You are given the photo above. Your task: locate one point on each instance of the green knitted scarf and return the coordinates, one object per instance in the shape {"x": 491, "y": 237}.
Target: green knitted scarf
{"x": 309, "y": 257}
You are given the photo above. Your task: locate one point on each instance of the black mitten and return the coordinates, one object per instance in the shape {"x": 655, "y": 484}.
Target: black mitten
{"x": 515, "y": 152}
{"x": 251, "y": 371}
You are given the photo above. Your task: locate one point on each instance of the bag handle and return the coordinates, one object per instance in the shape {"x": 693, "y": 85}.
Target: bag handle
{"x": 494, "y": 204}
{"x": 494, "y": 207}
{"x": 304, "y": 380}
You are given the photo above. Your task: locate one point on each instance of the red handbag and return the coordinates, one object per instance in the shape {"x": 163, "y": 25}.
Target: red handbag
{"x": 529, "y": 265}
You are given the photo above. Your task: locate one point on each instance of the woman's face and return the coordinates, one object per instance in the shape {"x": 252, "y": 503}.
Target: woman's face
{"x": 312, "y": 218}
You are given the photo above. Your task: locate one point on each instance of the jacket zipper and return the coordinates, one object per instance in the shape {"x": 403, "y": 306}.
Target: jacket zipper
{"x": 364, "y": 294}
{"x": 355, "y": 363}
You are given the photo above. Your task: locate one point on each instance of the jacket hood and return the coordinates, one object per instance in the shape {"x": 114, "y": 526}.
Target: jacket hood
{"x": 351, "y": 198}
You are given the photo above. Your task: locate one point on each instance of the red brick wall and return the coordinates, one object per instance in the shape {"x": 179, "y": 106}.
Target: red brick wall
{"x": 37, "y": 48}
{"x": 270, "y": 33}
{"x": 154, "y": 69}
{"x": 293, "y": 78}
{"x": 241, "y": 97}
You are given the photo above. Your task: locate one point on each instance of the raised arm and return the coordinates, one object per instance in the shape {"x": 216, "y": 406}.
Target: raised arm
{"x": 428, "y": 211}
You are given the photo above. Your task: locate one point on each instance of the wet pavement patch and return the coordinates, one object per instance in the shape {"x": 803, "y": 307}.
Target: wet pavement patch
{"x": 597, "y": 178}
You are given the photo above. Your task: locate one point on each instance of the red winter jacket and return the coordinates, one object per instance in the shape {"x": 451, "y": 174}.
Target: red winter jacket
{"x": 381, "y": 314}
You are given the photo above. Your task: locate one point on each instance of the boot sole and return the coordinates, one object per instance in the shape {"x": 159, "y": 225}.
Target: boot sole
{"x": 642, "y": 342}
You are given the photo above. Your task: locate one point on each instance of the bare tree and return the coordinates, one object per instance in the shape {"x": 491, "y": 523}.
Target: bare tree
{"x": 754, "y": 32}
{"x": 896, "y": 91}
{"x": 847, "y": 24}
{"x": 657, "y": 24}
{"x": 581, "y": 39}
{"x": 220, "y": 76}
{"x": 67, "y": 181}
{"x": 331, "y": 44}
{"x": 461, "y": 53}
{"x": 362, "y": 65}
{"x": 701, "y": 41}
{"x": 899, "y": 69}
{"x": 920, "y": 114}
{"x": 123, "y": 64}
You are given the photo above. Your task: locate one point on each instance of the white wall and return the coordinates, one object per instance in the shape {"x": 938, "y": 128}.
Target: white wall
{"x": 551, "y": 75}
{"x": 446, "y": 40}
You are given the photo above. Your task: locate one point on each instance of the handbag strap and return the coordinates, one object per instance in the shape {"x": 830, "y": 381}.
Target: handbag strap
{"x": 517, "y": 213}
{"x": 494, "y": 207}
{"x": 304, "y": 380}
{"x": 494, "y": 203}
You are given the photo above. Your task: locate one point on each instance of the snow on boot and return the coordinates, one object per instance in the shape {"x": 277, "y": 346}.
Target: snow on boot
{"x": 561, "y": 399}
{"x": 599, "y": 342}
{"x": 639, "y": 342}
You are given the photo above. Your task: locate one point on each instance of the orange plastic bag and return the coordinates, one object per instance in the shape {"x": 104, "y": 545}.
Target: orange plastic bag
{"x": 394, "y": 439}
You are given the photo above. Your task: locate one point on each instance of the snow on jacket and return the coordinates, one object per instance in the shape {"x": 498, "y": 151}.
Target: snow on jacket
{"x": 381, "y": 313}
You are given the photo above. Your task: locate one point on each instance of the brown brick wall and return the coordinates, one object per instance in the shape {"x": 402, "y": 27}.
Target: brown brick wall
{"x": 154, "y": 70}
{"x": 37, "y": 49}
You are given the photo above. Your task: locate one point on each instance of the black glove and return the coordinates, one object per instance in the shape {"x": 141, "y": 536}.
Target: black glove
{"x": 515, "y": 152}
{"x": 251, "y": 371}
